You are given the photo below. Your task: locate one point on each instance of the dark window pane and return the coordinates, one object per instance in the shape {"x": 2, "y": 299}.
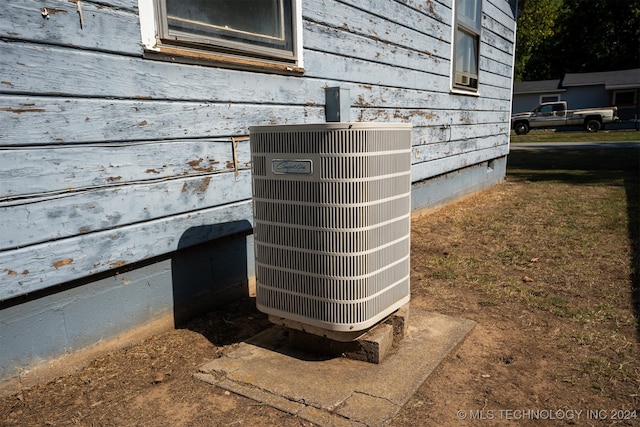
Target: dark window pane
{"x": 625, "y": 98}
{"x": 550, "y": 98}
{"x": 261, "y": 22}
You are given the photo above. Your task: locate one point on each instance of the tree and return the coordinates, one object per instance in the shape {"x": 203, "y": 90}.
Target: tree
{"x": 600, "y": 35}
{"x": 572, "y": 36}
{"x": 536, "y": 27}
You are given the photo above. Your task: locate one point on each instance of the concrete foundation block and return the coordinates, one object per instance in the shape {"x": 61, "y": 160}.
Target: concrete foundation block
{"x": 400, "y": 322}
{"x": 373, "y": 346}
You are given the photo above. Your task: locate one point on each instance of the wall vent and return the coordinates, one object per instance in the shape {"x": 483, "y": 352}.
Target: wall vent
{"x": 332, "y": 220}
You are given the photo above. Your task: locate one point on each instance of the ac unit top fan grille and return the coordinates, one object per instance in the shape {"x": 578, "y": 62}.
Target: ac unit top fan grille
{"x": 332, "y": 206}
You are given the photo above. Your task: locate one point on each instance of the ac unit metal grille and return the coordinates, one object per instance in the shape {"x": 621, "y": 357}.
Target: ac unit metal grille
{"x": 329, "y": 192}
{"x": 331, "y": 216}
{"x": 338, "y": 265}
{"x": 334, "y": 288}
{"x": 299, "y": 307}
{"x": 347, "y": 167}
{"x": 332, "y": 240}
{"x": 332, "y": 229}
{"x": 259, "y": 164}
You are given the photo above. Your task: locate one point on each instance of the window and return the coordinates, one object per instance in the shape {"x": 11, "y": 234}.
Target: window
{"x": 242, "y": 33}
{"x": 466, "y": 44}
{"x": 624, "y": 98}
{"x": 545, "y": 110}
{"x": 549, "y": 98}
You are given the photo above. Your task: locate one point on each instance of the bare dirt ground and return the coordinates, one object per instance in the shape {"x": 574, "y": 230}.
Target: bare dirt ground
{"x": 546, "y": 264}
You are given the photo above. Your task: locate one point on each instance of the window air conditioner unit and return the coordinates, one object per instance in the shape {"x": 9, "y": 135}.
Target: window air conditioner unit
{"x": 332, "y": 218}
{"x": 462, "y": 79}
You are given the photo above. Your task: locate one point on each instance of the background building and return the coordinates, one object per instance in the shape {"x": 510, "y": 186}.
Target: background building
{"x": 585, "y": 90}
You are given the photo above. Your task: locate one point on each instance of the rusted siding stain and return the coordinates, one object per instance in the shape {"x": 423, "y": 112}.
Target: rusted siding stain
{"x": 430, "y": 7}
{"x": 465, "y": 117}
{"x": 361, "y": 101}
{"x": 23, "y": 110}
{"x": 62, "y": 263}
{"x": 196, "y": 187}
{"x": 204, "y": 184}
{"x": 46, "y": 12}
{"x": 195, "y": 165}
{"x": 408, "y": 115}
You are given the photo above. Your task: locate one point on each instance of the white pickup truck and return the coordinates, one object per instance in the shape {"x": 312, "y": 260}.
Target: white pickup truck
{"x": 555, "y": 114}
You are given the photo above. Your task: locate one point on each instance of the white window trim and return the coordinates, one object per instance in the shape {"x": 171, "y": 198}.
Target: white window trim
{"x": 150, "y": 40}
{"x": 454, "y": 24}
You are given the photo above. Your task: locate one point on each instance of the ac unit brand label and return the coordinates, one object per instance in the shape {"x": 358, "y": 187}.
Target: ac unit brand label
{"x": 292, "y": 166}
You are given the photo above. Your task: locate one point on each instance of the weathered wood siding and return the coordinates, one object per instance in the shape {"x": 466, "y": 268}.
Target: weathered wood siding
{"x": 107, "y": 158}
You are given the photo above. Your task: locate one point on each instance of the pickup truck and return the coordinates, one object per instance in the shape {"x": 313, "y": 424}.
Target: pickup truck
{"x": 555, "y": 114}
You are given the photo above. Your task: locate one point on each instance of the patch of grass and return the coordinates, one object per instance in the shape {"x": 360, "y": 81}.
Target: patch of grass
{"x": 443, "y": 274}
{"x": 535, "y": 299}
{"x": 553, "y": 251}
{"x": 512, "y": 255}
{"x": 441, "y": 268}
{"x": 580, "y": 211}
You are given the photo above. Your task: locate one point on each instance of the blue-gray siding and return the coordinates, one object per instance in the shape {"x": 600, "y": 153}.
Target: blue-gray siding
{"x": 576, "y": 97}
{"x": 108, "y": 159}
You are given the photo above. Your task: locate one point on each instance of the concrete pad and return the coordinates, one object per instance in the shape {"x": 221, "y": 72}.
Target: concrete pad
{"x": 372, "y": 347}
{"x": 337, "y": 391}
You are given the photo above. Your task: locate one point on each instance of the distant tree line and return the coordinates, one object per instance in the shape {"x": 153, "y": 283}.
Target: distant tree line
{"x": 576, "y": 36}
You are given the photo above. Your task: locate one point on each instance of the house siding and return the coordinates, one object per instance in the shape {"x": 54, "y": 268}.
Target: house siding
{"x": 528, "y": 102}
{"x": 114, "y": 165}
{"x": 586, "y": 97}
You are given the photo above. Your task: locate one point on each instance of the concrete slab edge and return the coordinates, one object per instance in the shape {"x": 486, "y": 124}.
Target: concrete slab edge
{"x": 464, "y": 327}
{"x": 309, "y": 413}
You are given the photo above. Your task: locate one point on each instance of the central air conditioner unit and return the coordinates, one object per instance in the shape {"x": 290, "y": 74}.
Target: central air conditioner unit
{"x": 332, "y": 220}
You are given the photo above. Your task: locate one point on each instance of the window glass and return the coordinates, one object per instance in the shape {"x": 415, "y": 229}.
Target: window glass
{"x": 254, "y": 21}
{"x": 469, "y": 12}
{"x": 466, "y": 49}
{"x": 625, "y": 98}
